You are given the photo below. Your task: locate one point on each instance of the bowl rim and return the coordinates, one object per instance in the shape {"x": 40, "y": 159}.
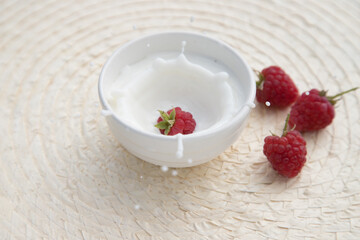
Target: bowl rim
{"x": 242, "y": 113}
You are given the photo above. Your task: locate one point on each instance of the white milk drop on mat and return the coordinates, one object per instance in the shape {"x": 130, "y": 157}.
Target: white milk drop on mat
{"x": 164, "y": 168}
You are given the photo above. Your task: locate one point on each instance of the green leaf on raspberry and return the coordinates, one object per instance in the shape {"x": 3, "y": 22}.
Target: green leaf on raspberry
{"x": 168, "y": 121}
{"x": 172, "y": 114}
{"x": 261, "y": 78}
{"x": 167, "y": 131}
{"x": 162, "y": 125}
{"x": 164, "y": 115}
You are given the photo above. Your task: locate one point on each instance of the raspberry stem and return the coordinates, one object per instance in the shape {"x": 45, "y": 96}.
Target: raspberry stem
{"x": 333, "y": 99}
{"x": 286, "y": 126}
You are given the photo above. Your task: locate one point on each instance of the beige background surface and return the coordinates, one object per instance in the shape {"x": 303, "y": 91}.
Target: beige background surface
{"x": 63, "y": 175}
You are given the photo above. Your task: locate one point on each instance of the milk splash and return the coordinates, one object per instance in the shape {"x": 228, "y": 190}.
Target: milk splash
{"x": 199, "y": 85}
{"x": 180, "y": 146}
{"x": 183, "y": 44}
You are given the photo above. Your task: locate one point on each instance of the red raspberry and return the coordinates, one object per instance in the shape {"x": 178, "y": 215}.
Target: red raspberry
{"x": 287, "y": 154}
{"x": 276, "y": 87}
{"x": 176, "y": 121}
{"x": 314, "y": 110}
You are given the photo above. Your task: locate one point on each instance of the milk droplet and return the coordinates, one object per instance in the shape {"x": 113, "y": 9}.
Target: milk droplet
{"x": 307, "y": 93}
{"x": 106, "y": 113}
{"x": 174, "y": 173}
{"x": 180, "y": 150}
{"x": 183, "y": 44}
{"x": 267, "y": 103}
{"x": 137, "y": 207}
{"x": 251, "y": 105}
{"x": 190, "y": 160}
{"x": 164, "y": 168}
{"x": 141, "y": 177}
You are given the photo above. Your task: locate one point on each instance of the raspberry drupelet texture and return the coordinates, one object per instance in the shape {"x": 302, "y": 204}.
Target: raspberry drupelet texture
{"x": 176, "y": 121}
{"x": 311, "y": 112}
{"x": 275, "y": 88}
{"x": 314, "y": 110}
{"x": 287, "y": 154}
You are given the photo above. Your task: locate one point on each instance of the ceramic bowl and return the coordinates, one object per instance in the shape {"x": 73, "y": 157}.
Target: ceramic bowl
{"x": 196, "y": 148}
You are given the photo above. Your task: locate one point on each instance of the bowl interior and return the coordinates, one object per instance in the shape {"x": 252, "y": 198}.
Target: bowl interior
{"x": 208, "y": 111}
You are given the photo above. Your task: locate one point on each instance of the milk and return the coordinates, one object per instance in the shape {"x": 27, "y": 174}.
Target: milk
{"x": 166, "y": 80}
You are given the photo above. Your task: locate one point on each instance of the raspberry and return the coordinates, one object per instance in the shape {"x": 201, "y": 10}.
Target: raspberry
{"x": 314, "y": 110}
{"x": 176, "y": 121}
{"x": 287, "y": 154}
{"x": 275, "y": 87}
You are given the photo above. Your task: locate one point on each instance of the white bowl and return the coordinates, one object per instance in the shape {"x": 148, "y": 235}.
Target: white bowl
{"x": 198, "y": 147}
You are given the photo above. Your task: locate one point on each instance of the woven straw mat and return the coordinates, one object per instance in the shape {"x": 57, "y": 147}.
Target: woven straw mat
{"x": 64, "y": 176}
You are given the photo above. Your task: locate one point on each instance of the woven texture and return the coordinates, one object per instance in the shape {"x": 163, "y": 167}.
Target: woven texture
{"x": 64, "y": 176}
